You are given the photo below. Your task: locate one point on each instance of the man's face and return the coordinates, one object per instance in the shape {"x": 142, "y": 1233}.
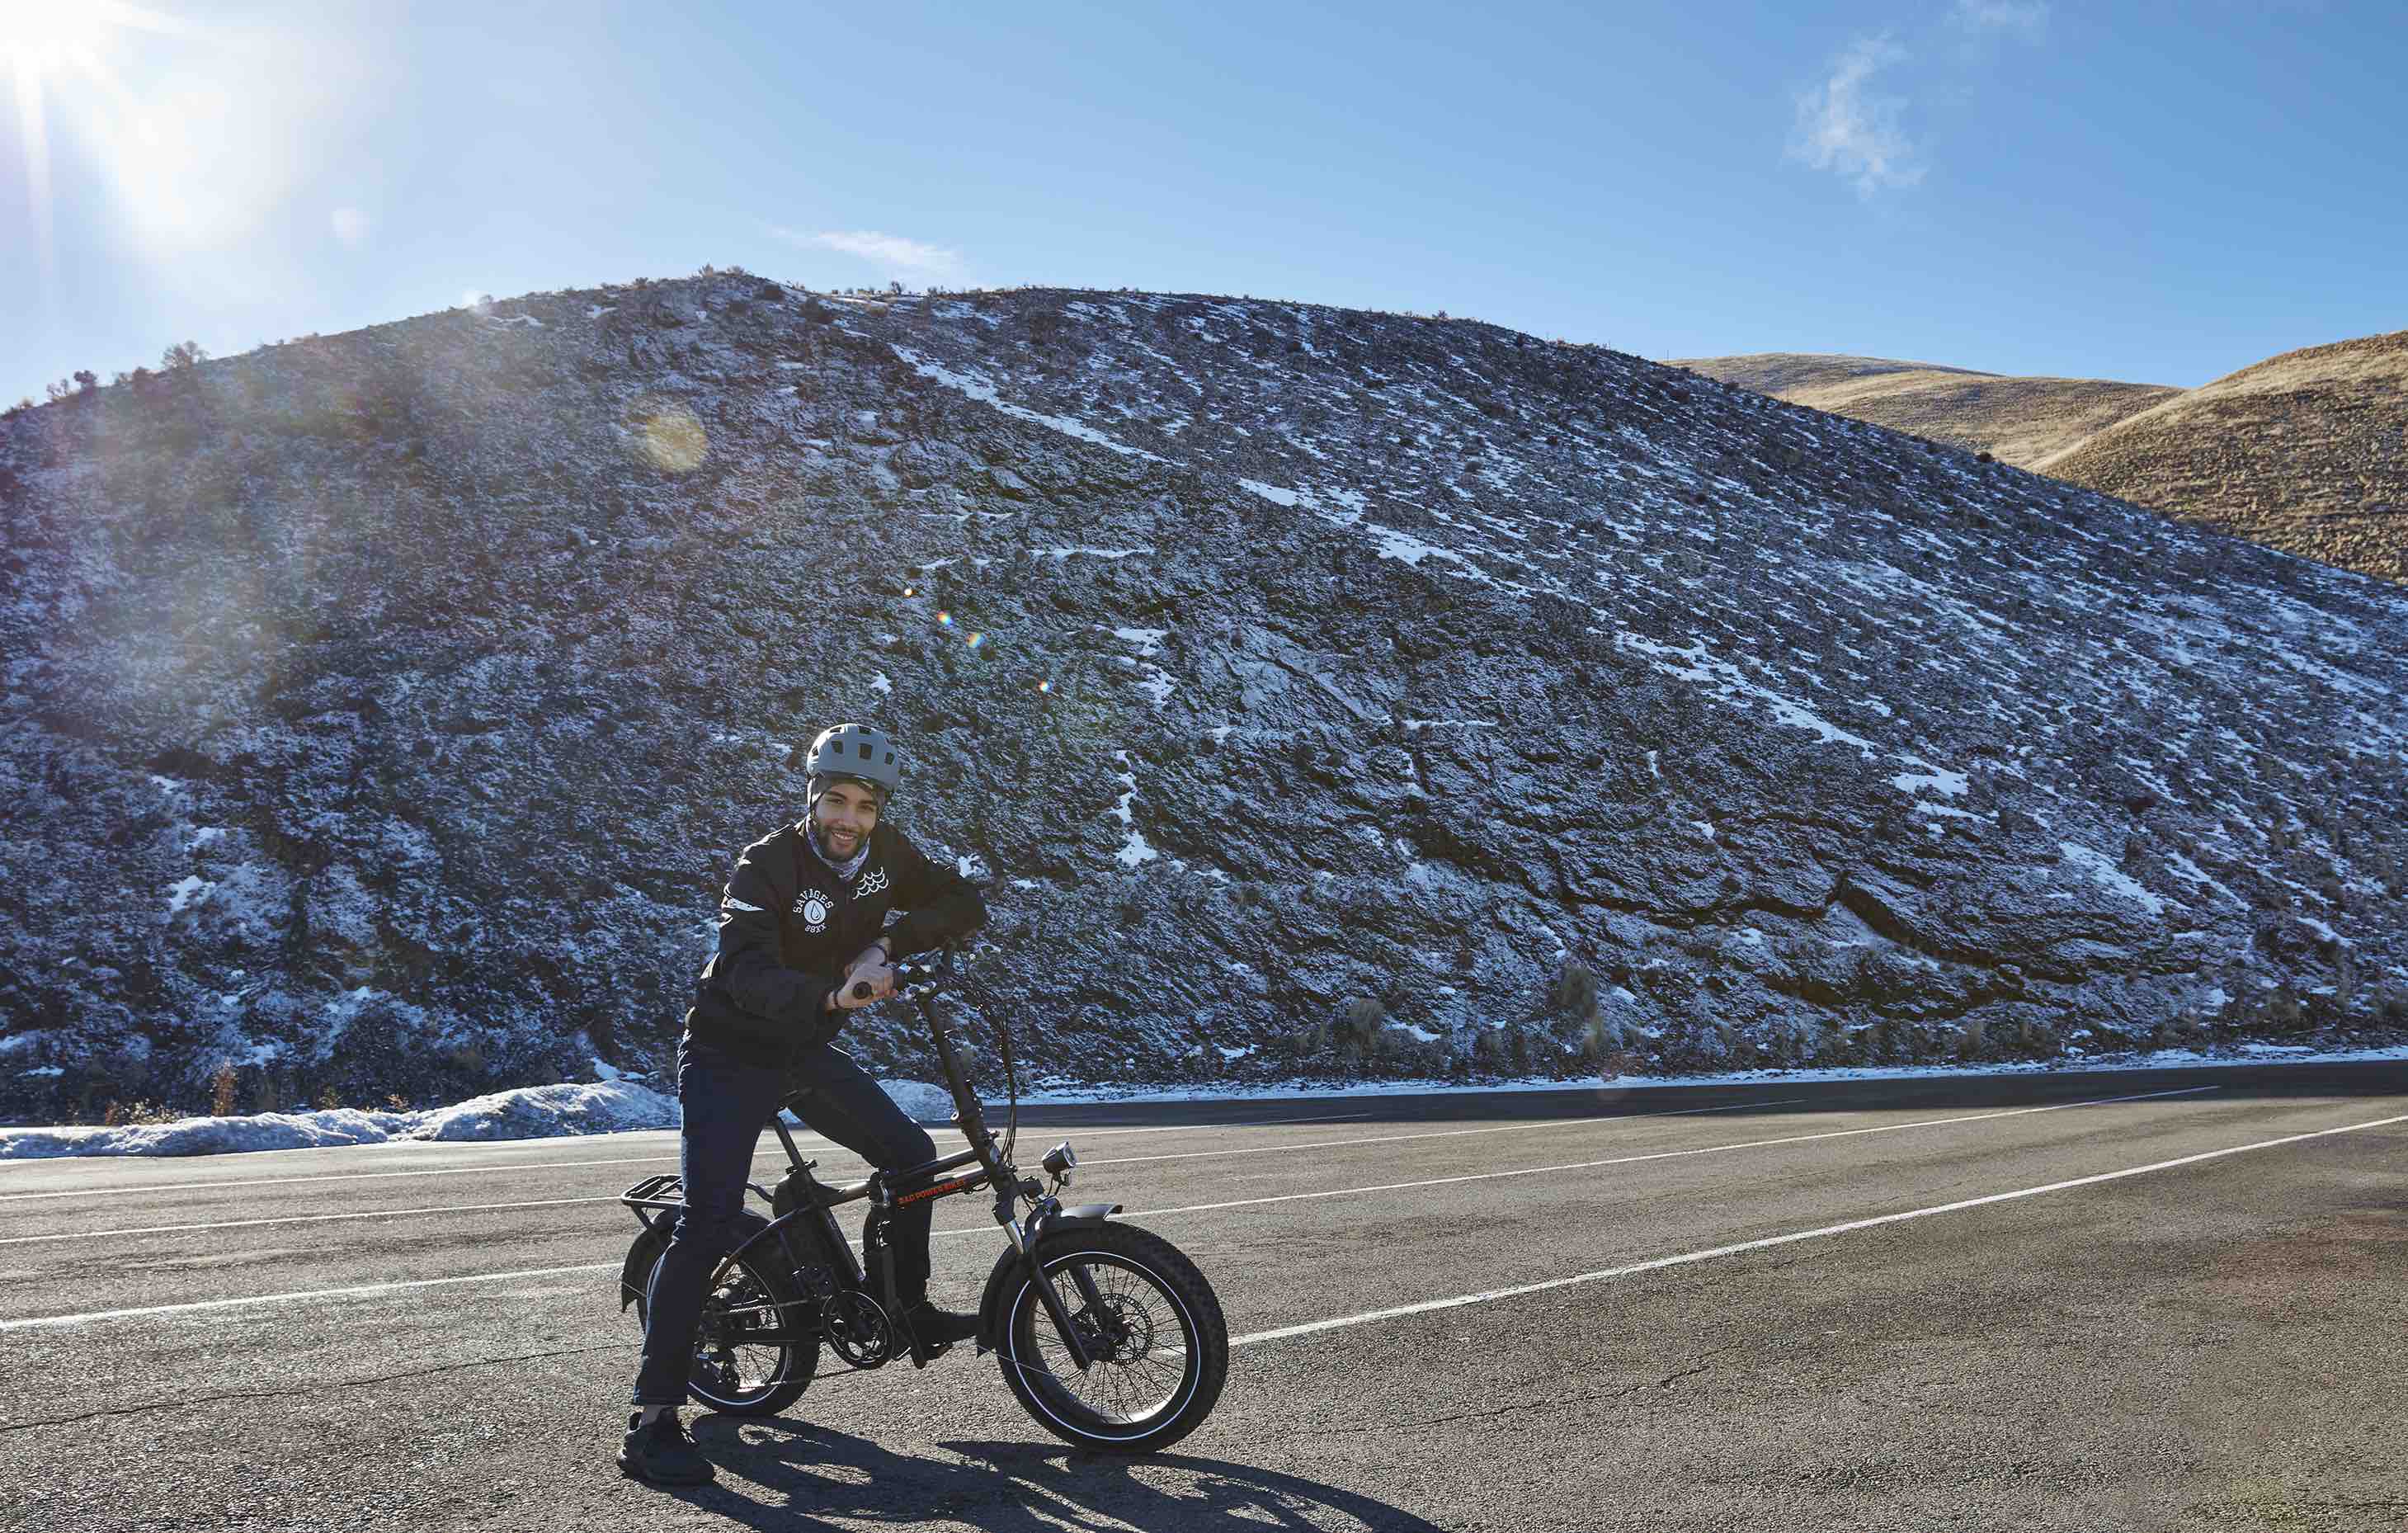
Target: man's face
{"x": 845, "y": 816}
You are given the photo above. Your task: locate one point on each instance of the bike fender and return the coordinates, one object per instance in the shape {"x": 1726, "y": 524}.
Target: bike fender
{"x": 1006, "y": 1272}
{"x": 635, "y": 1275}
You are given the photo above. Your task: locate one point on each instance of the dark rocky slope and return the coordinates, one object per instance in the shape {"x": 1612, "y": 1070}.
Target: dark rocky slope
{"x": 382, "y": 710}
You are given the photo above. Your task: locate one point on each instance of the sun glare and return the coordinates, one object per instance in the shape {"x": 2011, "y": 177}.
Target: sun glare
{"x": 44, "y": 34}
{"x": 39, "y": 38}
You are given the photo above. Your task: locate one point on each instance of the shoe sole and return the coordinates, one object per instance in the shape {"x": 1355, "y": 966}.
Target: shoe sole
{"x": 642, "y": 1477}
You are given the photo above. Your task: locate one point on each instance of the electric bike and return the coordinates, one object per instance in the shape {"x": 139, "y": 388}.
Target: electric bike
{"x": 1105, "y": 1333}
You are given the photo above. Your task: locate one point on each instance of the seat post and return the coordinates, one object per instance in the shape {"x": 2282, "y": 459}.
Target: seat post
{"x": 778, "y": 1122}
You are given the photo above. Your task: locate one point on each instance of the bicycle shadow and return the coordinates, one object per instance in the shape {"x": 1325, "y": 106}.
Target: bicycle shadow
{"x": 790, "y": 1475}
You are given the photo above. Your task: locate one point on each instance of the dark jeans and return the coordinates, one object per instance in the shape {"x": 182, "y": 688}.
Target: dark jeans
{"x": 727, "y": 1103}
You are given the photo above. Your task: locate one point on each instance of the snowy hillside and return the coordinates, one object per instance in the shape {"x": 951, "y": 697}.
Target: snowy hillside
{"x": 1308, "y": 686}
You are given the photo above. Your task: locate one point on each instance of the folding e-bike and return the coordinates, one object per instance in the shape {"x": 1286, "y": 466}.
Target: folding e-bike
{"x": 1109, "y": 1337}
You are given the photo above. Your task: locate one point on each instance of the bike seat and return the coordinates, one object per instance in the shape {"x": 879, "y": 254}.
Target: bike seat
{"x": 827, "y": 1193}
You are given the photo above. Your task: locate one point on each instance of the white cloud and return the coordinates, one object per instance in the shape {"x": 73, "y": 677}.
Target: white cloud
{"x": 892, "y": 255}
{"x": 2026, "y": 18}
{"x": 351, "y": 225}
{"x": 1841, "y": 128}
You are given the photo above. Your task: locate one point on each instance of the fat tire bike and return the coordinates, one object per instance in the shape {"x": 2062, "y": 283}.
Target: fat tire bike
{"x": 1106, "y": 1334}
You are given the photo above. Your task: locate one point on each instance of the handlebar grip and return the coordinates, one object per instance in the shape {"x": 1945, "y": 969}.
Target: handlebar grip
{"x": 906, "y": 975}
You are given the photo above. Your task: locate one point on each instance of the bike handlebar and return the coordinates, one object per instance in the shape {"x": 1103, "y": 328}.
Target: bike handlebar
{"x": 911, "y": 972}
{"x": 907, "y": 974}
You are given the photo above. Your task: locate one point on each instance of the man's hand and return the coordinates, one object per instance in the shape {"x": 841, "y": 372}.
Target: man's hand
{"x": 872, "y": 965}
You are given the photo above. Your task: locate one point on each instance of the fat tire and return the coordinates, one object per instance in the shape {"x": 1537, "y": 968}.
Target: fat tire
{"x": 1167, "y": 1273}
{"x": 799, "y": 1361}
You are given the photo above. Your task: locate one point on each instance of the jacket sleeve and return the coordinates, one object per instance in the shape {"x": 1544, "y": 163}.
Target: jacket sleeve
{"x": 774, "y": 1003}
{"x": 940, "y": 903}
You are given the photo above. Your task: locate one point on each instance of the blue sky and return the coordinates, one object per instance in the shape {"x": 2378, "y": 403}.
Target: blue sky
{"x": 2154, "y": 192}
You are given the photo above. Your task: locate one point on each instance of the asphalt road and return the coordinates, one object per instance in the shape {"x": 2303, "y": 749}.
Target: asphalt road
{"x": 2087, "y": 1301}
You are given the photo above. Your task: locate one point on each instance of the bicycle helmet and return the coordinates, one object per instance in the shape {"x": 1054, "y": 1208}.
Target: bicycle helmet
{"x": 862, "y": 751}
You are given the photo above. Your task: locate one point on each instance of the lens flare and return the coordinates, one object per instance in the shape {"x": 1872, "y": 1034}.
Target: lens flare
{"x": 1045, "y": 686}
{"x": 674, "y": 440}
{"x": 977, "y": 639}
{"x": 945, "y": 620}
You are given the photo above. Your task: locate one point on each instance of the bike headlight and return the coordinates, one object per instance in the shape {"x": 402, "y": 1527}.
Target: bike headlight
{"x": 1060, "y": 1160}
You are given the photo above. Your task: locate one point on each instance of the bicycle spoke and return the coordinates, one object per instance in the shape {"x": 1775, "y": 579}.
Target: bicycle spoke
{"x": 1139, "y": 1354}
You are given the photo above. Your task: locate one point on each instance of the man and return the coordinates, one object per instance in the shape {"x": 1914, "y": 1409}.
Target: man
{"x": 803, "y": 917}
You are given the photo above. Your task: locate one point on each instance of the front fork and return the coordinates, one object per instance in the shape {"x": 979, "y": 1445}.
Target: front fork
{"x": 1035, "y": 1271}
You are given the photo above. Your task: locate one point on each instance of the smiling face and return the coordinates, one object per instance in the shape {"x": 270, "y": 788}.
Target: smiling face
{"x": 843, "y": 817}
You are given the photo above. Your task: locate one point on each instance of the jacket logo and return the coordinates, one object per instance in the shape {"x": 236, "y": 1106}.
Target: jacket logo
{"x": 872, "y": 883}
{"x": 813, "y": 907}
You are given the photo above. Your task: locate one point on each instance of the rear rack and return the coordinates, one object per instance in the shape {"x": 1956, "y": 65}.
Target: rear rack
{"x": 655, "y": 1195}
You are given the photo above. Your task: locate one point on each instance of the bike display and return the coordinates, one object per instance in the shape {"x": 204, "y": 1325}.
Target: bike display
{"x": 1107, "y": 1335}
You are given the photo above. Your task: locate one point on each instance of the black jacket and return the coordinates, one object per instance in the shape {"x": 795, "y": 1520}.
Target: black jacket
{"x": 787, "y": 927}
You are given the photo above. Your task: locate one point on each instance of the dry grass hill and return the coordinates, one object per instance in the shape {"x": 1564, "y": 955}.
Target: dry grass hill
{"x": 2306, "y": 451}
{"x": 2020, "y": 420}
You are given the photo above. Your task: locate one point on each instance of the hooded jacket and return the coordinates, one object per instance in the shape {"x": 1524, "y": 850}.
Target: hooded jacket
{"x": 788, "y": 925}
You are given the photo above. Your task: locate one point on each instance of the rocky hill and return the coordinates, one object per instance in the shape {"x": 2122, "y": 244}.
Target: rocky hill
{"x": 2306, "y": 451}
{"x": 1313, "y": 690}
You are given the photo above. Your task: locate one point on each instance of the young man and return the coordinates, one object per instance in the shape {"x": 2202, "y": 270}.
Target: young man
{"x": 803, "y": 917}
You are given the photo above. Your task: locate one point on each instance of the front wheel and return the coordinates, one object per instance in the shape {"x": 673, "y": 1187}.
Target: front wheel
{"x": 1148, "y": 1321}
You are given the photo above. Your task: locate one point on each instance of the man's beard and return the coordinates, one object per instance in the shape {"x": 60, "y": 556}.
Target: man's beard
{"x": 827, "y": 843}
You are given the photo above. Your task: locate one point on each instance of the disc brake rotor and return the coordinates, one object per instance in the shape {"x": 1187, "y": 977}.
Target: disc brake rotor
{"x": 1121, "y": 1333}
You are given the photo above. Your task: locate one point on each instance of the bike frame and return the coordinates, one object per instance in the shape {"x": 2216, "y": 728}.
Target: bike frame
{"x": 888, "y": 1190}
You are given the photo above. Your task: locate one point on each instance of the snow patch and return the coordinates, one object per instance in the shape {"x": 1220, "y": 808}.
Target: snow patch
{"x": 613, "y": 1105}
{"x": 2107, "y": 873}
{"x": 978, "y": 388}
{"x": 1952, "y": 783}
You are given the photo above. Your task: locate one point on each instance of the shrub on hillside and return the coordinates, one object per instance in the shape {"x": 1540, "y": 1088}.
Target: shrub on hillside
{"x": 1576, "y": 989}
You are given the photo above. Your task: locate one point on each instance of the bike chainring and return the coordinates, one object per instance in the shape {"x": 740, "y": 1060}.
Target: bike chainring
{"x": 858, "y": 1329}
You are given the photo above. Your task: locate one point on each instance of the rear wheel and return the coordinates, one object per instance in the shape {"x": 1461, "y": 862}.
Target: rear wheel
{"x": 1151, "y": 1324}
{"x": 737, "y": 1372}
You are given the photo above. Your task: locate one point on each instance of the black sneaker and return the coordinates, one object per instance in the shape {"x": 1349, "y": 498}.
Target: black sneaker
{"x": 937, "y": 1329}
{"x": 660, "y": 1454}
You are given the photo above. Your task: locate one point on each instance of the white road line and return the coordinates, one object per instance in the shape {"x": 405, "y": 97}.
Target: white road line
{"x": 42, "y": 1321}
{"x": 302, "y": 1219}
{"x": 813, "y": 1140}
{"x": 1440, "y": 1133}
{"x": 1662, "y": 1155}
{"x": 365, "y": 1290}
{"x": 203, "y": 1186}
{"x": 1310, "y": 1327}
{"x": 613, "y": 1197}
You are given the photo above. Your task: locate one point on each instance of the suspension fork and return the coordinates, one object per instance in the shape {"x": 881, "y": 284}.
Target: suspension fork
{"x": 1035, "y": 1270}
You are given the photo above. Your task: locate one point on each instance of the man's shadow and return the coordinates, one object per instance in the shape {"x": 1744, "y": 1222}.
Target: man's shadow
{"x": 788, "y": 1474}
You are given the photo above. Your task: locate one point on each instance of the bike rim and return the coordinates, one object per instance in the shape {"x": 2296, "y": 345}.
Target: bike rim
{"x": 1144, "y": 1344}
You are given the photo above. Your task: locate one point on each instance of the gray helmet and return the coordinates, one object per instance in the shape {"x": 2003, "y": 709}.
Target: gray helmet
{"x": 859, "y": 751}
